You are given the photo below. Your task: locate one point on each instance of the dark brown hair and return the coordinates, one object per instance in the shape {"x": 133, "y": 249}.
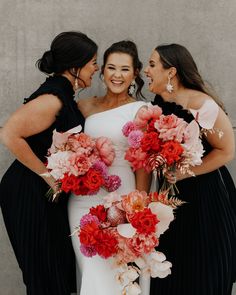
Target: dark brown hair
{"x": 129, "y": 48}
{"x": 68, "y": 50}
{"x": 175, "y": 55}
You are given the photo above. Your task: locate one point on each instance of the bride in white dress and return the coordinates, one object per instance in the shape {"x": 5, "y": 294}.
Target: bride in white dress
{"x": 105, "y": 116}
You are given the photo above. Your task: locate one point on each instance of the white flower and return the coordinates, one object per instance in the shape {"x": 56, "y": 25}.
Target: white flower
{"x": 110, "y": 199}
{"x": 156, "y": 266}
{"x": 126, "y": 230}
{"x": 164, "y": 214}
{"x": 132, "y": 289}
{"x": 127, "y": 275}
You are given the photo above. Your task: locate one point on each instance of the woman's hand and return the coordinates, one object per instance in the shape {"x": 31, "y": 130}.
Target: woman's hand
{"x": 51, "y": 181}
{"x": 174, "y": 176}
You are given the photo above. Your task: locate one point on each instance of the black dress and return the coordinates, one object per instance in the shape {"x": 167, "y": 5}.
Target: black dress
{"x": 201, "y": 241}
{"x": 38, "y": 228}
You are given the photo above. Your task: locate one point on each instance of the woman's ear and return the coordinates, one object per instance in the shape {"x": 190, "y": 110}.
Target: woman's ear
{"x": 172, "y": 72}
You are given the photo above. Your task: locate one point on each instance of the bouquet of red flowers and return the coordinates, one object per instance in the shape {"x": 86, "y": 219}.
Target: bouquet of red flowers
{"x": 162, "y": 143}
{"x": 127, "y": 228}
{"x": 80, "y": 163}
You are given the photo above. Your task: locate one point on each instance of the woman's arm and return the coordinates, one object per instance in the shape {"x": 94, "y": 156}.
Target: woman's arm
{"x": 223, "y": 148}
{"x": 32, "y": 118}
{"x": 143, "y": 180}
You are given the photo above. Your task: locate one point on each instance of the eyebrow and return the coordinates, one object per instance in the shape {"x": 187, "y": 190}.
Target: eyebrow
{"x": 124, "y": 66}
{"x": 151, "y": 60}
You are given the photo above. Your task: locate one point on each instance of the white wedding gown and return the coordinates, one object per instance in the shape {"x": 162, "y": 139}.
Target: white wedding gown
{"x": 95, "y": 275}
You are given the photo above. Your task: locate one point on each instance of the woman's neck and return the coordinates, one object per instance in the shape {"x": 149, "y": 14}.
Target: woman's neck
{"x": 180, "y": 95}
{"x": 111, "y": 99}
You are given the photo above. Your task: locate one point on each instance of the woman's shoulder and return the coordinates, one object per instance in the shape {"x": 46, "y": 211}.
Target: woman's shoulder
{"x": 58, "y": 86}
{"x": 87, "y": 105}
{"x": 204, "y": 109}
{"x": 197, "y": 99}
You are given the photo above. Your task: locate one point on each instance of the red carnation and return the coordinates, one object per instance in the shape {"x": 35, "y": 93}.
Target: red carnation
{"x": 106, "y": 245}
{"x": 100, "y": 212}
{"x": 88, "y": 232}
{"x": 81, "y": 189}
{"x": 144, "y": 221}
{"x": 171, "y": 151}
{"x": 151, "y": 142}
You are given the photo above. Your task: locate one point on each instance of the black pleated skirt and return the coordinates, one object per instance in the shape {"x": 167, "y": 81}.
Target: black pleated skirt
{"x": 39, "y": 232}
{"x": 201, "y": 241}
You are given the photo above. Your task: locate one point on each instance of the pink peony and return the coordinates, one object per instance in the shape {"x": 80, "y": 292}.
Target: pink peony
{"x": 135, "y": 201}
{"x": 79, "y": 164}
{"x": 156, "y": 112}
{"x": 144, "y": 115}
{"x": 106, "y": 150}
{"x": 134, "y": 138}
{"x": 128, "y": 127}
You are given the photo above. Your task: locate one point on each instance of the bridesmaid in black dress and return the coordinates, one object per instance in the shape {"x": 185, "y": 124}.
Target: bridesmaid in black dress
{"x": 38, "y": 228}
{"x": 201, "y": 242}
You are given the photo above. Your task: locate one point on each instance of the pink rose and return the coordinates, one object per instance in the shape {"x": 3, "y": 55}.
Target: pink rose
{"x": 171, "y": 127}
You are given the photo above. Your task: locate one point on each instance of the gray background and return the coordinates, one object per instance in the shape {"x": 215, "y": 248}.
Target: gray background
{"x": 205, "y": 27}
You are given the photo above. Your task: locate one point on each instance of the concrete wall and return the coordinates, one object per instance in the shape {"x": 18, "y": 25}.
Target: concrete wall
{"x": 206, "y": 28}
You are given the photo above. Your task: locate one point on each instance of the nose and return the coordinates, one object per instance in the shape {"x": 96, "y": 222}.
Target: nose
{"x": 146, "y": 70}
{"x": 117, "y": 74}
{"x": 96, "y": 68}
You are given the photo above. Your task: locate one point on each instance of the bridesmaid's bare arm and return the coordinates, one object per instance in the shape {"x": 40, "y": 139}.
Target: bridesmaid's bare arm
{"x": 143, "y": 180}
{"x": 30, "y": 119}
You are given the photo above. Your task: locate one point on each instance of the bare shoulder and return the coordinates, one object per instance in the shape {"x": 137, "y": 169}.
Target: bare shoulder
{"x": 197, "y": 99}
{"x": 86, "y": 105}
{"x": 49, "y": 102}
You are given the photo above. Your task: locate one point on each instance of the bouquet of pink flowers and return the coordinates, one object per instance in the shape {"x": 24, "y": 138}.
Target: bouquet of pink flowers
{"x": 127, "y": 228}
{"x": 162, "y": 143}
{"x": 80, "y": 163}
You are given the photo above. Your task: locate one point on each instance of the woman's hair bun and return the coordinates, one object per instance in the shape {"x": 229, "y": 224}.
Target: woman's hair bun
{"x": 46, "y": 62}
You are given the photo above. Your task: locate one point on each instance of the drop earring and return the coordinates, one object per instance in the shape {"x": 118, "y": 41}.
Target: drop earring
{"x": 76, "y": 85}
{"x": 169, "y": 86}
{"x": 132, "y": 88}
{"x": 104, "y": 86}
